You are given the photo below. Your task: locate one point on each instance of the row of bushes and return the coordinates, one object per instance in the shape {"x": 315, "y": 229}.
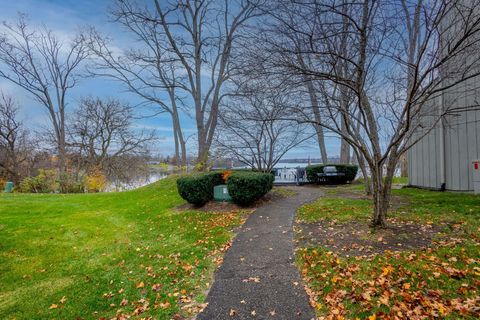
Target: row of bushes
{"x": 244, "y": 187}
{"x": 48, "y": 181}
{"x": 349, "y": 171}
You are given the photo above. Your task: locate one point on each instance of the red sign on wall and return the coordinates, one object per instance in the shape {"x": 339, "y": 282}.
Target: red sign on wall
{"x": 475, "y": 165}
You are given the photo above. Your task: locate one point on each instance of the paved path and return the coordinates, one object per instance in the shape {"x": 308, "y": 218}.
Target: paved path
{"x": 258, "y": 278}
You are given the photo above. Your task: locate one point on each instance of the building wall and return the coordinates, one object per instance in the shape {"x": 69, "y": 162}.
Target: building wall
{"x": 423, "y": 158}
{"x": 461, "y": 143}
{"x": 461, "y": 127}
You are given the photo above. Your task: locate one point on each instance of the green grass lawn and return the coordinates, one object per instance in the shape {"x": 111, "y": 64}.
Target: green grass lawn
{"x": 93, "y": 256}
{"x": 442, "y": 281}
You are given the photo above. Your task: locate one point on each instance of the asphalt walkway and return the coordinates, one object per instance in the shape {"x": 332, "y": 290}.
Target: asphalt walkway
{"x": 258, "y": 278}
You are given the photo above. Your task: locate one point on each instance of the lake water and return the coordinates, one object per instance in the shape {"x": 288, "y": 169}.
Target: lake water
{"x": 293, "y": 165}
{"x": 136, "y": 183}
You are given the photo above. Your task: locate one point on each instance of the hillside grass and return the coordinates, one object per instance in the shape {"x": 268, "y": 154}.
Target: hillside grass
{"x": 88, "y": 256}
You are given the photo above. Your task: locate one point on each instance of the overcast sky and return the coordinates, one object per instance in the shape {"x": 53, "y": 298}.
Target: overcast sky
{"x": 66, "y": 18}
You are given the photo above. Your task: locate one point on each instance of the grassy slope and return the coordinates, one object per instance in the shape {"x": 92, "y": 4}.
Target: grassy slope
{"x": 98, "y": 250}
{"x": 440, "y": 282}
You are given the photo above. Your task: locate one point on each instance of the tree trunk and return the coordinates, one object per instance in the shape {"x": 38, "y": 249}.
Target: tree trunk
{"x": 62, "y": 166}
{"x": 344, "y": 146}
{"x": 183, "y": 149}
{"x": 366, "y": 179}
{"x": 180, "y": 148}
{"x": 380, "y": 202}
{"x": 316, "y": 113}
{"x": 202, "y": 153}
{"x": 177, "y": 150}
{"x": 360, "y": 160}
{"x": 404, "y": 166}
{"x": 382, "y": 188}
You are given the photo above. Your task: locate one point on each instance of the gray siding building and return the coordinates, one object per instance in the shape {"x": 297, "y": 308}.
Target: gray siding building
{"x": 443, "y": 158}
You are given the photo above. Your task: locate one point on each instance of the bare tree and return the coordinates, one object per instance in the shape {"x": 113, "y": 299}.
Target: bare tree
{"x": 309, "y": 83}
{"x": 202, "y": 36}
{"x": 45, "y": 66}
{"x": 148, "y": 69}
{"x": 402, "y": 56}
{"x": 15, "y": 147}
{"x": 251, "y": 128}
{"x": 102, "y": 134}
{"x": 255, "y": 61}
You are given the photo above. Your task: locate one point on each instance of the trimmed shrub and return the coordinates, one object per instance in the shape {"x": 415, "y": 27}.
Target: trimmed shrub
{"x": 247, "y": 187}
{"x": 45, "y": 182}
{"x": 198, "y": 188}
{"x": 349, "y": 170}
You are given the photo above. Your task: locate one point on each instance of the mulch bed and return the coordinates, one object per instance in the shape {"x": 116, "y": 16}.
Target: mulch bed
{"x": 356, "y": 238}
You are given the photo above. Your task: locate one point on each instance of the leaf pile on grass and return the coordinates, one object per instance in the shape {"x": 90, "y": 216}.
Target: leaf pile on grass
{"x": 425, "y": 284}
{"x": 439, "y": 281}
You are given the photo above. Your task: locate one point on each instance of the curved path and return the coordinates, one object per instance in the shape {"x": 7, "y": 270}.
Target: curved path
{"x": 258, "y": 278}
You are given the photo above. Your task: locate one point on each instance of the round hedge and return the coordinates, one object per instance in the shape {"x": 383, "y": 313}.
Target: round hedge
{"x": 349, "y": 170}
{"x": 198, "y": 188}
{"x": 247, "y": 187}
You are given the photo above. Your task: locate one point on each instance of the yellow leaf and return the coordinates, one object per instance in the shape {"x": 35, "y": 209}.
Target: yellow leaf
{"x": 53, "y": 306}
{"x": 387, "y": 270}
{"x": 372, "y": 317}
{"x": 140, "y": 285}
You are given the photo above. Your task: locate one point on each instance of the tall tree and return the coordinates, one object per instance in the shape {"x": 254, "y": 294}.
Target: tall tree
{"x": 45, "y": 66}
{"x": 202, "y": 35}
{"x": 15, "y": 146}
{"x": 147, "y": 68}
{"x": 102, "y": 133}
{"x": 251, "y": 128}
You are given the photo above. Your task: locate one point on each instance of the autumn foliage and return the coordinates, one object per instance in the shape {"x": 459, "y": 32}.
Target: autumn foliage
{"x": 95, "y": 181}
{"x": 393, "y": 286}
{"x": 226, "y": 174}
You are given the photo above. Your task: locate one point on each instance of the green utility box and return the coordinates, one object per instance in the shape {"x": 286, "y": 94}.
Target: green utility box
{"x": 220, "y": 193}
{"x": 8, "y": 187}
